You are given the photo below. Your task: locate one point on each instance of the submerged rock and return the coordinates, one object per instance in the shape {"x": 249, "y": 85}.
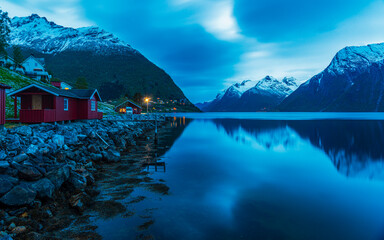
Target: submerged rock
{"x": 79, "y": 201}
{"x": 18, "y": 196}
{"x": 111, "y": 156}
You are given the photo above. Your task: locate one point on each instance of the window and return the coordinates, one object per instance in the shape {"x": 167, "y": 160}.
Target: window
{"x": 93, "y": 105}
{"x": 65, "y": 104}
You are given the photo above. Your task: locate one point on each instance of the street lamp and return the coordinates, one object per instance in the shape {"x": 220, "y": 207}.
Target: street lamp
{"x": 147, "y": 101}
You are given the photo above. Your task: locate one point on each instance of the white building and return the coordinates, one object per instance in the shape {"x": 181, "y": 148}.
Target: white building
{"x": 35, "y": 68}
{"x": 6, "y": 60}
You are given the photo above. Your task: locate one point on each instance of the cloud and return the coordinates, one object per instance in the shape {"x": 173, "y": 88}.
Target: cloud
{"x": 64, "y": 12}
{"x": 280, "y": 20}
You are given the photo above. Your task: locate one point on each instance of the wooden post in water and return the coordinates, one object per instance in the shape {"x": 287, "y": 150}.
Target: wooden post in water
{"x": 156, "y": 140}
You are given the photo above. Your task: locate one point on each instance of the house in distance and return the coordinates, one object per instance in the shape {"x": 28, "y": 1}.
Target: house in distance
{"x": 122, "y": 107}
{"x": 40, "y": 103}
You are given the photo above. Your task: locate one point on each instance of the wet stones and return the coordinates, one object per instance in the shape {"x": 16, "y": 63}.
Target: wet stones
{"x": 44, "y": 188}
{"x": 58, "y": 140}
{"x": 78, "y": 181}
{"x": 111, "y": 155}
{"x": 79, "y": 201}
{"x": 59, "y": 176}
{"x": 21, "y": 158}
{"x": 18, "y": 196}
{"x": 27, "y": 172}
{"x": 7, "y": 183}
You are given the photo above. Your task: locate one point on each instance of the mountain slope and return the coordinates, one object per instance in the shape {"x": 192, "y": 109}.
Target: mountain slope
{"x": 109, "y": 64}
{"x": 250, "y": 96}
{"x": 353, "y": 81}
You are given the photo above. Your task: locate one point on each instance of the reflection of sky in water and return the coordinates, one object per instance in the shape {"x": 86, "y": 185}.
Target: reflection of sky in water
{"x": 266, "y": 183}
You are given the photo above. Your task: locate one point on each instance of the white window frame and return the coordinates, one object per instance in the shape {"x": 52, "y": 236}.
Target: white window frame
{"x": 66, "y": 104}
{"x": 93, "y": 106}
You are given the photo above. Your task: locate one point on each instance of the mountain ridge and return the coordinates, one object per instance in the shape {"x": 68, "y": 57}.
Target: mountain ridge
{"x": 262, "y": 95}
{"x": 108, "y": 63}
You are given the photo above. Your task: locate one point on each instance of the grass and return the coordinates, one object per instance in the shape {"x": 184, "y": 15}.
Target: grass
{"x": 17, "y": 81}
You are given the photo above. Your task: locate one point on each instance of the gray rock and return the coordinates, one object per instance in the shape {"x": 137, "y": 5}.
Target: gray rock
{"x": 78, "y": 181}
{"x": 44, "y": 188}
{"x": 96, "y": 157}
{"x": 27, "y": 172}
{"x": 7, "y": 183}
{"x": 111, "y": 156}
{"x": 59, "y": 176}
{"x": 13, "y": 142}
{"x": 32, "y": 150}
{"x": 20, "y": 158}
{"x": 58, "y": 140}
{"x": 18, "y": 196}
{"x": 24, "y": 131}
{"x": 4, "y": 165}
{"x": 3, "y": 155}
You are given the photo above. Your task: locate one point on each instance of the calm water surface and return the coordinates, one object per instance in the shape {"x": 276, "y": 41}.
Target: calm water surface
{"x": 254, "y": 178}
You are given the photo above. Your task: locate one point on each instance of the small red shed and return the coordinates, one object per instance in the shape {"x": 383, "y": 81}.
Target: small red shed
{"x": 122, "y": 108}
{"x": 3, "y": 87}
{"x": 41, "y": 103}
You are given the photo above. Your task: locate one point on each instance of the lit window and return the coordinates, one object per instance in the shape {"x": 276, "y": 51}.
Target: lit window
{"x": 65, "y": 104}
{"x": 93, "y": 105}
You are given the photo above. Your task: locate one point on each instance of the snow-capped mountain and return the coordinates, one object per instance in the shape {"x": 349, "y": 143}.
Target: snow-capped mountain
{"x": 46, "y": 37}
{"x": 108, "y": 63}
{"x": 250, "y": 96}
{"x": 353, "y": 81}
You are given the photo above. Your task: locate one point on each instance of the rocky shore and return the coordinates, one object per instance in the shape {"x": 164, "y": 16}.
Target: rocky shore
{"x": 45, "y": 168}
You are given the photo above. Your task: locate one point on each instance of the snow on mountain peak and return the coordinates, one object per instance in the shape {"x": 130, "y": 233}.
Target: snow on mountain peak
{"x": 47, "y": 37}
{"x": 356, "y": 58}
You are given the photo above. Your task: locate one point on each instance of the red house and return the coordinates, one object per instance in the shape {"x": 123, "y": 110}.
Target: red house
{"x": 122, "y": 108}
{"x": 41, "y": 103}
{"x": 2, "y": 102}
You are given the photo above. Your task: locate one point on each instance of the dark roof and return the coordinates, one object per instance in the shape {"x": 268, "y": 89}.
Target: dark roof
{"x": 2, "y": 85}
{"x": 129, "y": 101}
{"x": 72, "y": 93}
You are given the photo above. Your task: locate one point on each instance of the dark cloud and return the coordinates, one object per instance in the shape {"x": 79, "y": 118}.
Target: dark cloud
{"x": 281, "y": 20}
{"x": 168, "y": 38}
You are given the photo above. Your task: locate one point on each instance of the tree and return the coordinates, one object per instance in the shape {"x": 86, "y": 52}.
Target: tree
{"x": 138, "y": 97}
{"x": 4, "y": 31}
{"x": 81, "y": 83}
{"x": 18, "y": 57}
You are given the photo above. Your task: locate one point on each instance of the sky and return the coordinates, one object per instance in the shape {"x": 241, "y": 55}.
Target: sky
{"x": 207, "y": 45}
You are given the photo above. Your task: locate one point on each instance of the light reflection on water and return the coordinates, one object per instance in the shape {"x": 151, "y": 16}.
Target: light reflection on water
{"x": 264, "y": 179}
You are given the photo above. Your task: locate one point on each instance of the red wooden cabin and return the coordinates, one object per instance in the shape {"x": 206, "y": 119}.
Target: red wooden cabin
{"x": 122, "y": 108}
{"x": 49, "y": 104}
{"x": 2, "y": 102}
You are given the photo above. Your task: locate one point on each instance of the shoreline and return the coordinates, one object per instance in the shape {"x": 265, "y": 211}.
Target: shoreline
{"x": 48, "y": 170}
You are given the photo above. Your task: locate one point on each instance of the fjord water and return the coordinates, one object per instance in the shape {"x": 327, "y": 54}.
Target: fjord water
{"x": 257, "y": 178}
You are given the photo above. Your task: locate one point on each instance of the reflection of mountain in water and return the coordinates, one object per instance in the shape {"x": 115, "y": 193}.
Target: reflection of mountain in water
{"x": 356, "y": 148}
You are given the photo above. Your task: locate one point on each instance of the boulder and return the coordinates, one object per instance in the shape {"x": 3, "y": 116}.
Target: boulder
{"x": 79, "y": 201}
{"x": 20, "y": 158}
{"x": 24, "y": 131}
{"x": 44, "y": 188}
{"x": 59, "y": 176}
{"x": 32, "y": 150}
{"x": 13, "y": 142}
{"x": 3, "y": 155}
{"x": 111, "y": 156}
{"x": 18, "y": 196}
{"x": 4, "y": 165}
{"x": 7, "y": 183}
{"x": 77, "y": 180}
{"x": 27, "y": 172}
{"x": 58, "y": 140}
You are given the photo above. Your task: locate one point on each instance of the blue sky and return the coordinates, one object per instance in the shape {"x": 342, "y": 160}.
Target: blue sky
{"x": 206, "y": 45}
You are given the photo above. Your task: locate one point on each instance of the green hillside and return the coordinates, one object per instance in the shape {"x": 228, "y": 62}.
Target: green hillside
{"x": 17, "y": 81}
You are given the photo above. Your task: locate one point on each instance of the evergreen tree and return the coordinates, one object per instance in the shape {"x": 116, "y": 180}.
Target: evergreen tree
{"x": 4, "y": 31}
{"x": 81, "y": 83}
{"x": 17, "y": 55}
{"x": 138, "y": 98}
